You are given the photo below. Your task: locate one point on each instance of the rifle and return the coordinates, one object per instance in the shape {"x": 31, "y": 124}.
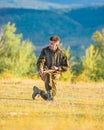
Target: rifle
{"x": 51, "y": 71}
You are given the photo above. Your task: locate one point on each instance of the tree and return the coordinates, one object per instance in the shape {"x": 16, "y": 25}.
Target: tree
{"x": 98, "y": 38}
{"x": 93, "y": 61}
{"x": 67, "y": 75}
{"x": 90, "y": 63}
{"x": 16, "y": 56}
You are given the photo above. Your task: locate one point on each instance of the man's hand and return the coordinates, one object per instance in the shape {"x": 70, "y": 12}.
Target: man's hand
{"x": 54, "y": 67}
{"x": 41, "y": 72}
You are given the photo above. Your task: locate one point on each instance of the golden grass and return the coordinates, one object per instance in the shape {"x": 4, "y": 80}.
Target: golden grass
{"x": 76, "y": 106}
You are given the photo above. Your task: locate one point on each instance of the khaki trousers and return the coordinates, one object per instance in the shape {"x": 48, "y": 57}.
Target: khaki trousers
{"x": 50, "y": 81}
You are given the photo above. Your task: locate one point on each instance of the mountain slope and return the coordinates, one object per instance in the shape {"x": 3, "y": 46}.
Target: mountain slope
{"x": 75, "y": 27}
{"x": 39, "y": 24}
{"x": 79, "y": 2}
{"x": 30, "y": 4}
{"x": 47, "y": 4}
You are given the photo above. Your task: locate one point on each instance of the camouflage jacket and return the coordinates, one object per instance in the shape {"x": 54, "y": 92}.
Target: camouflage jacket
{"x": 49, "y": 58}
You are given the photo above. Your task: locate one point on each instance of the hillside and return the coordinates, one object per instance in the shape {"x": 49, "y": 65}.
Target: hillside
{"x": 75, "y": 27}
{"x": 29, "y": 4}
{"x": 80, "y": 2}
{"x": 47, "y": 4}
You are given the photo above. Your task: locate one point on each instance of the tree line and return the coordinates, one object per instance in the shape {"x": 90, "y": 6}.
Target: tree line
{"x": 18, "y": 58}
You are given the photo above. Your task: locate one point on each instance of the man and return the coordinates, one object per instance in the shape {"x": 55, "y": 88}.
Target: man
{"x": 51, "y": 63}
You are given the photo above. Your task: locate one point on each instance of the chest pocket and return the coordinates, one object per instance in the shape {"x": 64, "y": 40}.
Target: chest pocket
{"x": 53, "y": 59}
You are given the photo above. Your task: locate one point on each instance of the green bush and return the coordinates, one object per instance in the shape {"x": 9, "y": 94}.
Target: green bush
{"x": 16, "y": 55}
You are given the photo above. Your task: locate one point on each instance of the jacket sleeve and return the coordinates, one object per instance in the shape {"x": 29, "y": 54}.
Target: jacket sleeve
{"x": 41, "y": 60}
{"x": 64, "y": 64}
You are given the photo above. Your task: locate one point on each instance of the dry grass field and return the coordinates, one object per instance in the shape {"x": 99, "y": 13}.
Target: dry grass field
{"x": 76, "y": 106}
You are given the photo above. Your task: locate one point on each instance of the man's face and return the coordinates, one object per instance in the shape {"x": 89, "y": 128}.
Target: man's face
{"x": 53, "y": 45}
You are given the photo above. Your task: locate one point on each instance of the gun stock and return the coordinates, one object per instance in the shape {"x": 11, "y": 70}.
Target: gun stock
{"x": 51, "y": 71}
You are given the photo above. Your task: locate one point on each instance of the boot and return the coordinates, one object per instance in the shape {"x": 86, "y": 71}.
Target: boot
{"x": 44, "y": 95}
{"x": 49, "y": 96}
{"x": 36, "y": 91}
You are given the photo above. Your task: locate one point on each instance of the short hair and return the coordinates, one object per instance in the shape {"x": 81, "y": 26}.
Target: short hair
{"x": 54, "y": 38}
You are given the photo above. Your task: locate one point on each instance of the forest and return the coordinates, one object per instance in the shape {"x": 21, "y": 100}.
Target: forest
{"x": 18, "y": 58}
{"x": 74, "y": 26}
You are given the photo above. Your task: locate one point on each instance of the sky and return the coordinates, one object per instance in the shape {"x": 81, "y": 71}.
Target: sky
{"x": 49, "y": 4}
{"x": 81, "y": 2}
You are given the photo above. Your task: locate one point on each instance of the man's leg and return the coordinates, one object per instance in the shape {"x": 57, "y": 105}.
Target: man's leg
{"x": 48, "y": 83}
{"x": 55, "y": 77}
{"x": 50, "y": 86}
{"x": 53, "y": 91}
{"x": 51, "y": 83}
{"x": 37, "y": 91}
